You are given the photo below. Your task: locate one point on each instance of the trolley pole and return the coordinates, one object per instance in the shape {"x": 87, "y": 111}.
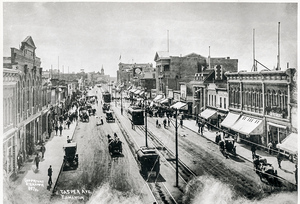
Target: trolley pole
{"x": 176, "y": 147}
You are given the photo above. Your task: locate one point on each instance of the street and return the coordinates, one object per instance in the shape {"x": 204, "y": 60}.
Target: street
{"x": 98, "y": 172}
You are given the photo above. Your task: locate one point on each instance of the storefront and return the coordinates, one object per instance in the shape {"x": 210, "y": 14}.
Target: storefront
{"x": 276, "y": 132}
{"x": 210, "y": 115}
{"x": 230, "y": 120}
{"x": 290, "y": 146}
{"x": 249, "y": 130}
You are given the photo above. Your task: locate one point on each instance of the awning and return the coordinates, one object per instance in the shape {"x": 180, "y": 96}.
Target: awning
{"x": 277, "y": 125}
{"x": 248, "y": 126}
{"x": 132, "y": 90}
{"x": 209, "y": 113}
{"x": 289, "y": 144}
{"x": 230, "y": 119}
{"x": 158, "y": 97}
{"x": 178, "y": 105}
{"x": 137, "y": 91}
{"x": 165, "y": 100}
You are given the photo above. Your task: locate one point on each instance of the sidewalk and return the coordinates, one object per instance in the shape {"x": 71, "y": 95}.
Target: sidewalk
{"x": 287, "y": 167}
{"x": 35, "y": 182}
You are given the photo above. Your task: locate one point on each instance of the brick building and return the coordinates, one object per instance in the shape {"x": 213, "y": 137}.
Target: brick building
{"x": 136, "y": 75}
{"x": 266, "y": 103}
{"x": 27, "y": 102}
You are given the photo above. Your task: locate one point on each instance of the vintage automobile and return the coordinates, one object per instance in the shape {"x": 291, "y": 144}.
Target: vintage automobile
{"x": 105, "y": 107}
{"x": 70, "y": 158}
{"x": 109, "y": 116}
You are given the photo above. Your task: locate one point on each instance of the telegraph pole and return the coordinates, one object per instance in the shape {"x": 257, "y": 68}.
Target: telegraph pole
{"x": 176, "y": 147}
{"x": 146, "y": 131}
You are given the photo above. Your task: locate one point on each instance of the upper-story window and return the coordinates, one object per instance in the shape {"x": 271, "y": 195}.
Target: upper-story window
{"x": 166, "y": 68}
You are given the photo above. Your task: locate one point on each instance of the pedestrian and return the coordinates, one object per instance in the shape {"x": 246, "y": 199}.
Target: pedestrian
{"x": 50, "y": 175}
{"x": 68, "y": 123}
{"x": 68, "y": 139}
{"x": 101, "y": 119}
{"x": 202, "y": 126}
{"x": 156, "y": 122}
{"x": 199, "y": 126}
{"x": 37, "y": 161}
{"x": 43, "y": 149}
{"x": 253, "y": 150}
{"x": 56, "y": 129}
{"x": 169, "y": 122}
{"x": 279, "y": 159}
{"x": 60, "y": 130}
{"x": 19, "y": 161}
{"x": 181, "y": 122}
{"x": 269, "y": 147}
{"x": 165, "y": 123}
{"x": 296, "y": 174}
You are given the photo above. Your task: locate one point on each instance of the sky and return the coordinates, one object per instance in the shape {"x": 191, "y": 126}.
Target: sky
{"x": 77, "y": 35}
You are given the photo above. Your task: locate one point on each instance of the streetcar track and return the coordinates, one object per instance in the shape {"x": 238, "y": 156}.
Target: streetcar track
{"x": 164, "y": 194}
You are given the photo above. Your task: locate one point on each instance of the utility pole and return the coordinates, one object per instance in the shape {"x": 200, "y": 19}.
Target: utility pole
{"x": 146, "y": 131}
{"x": 176, "y": 147}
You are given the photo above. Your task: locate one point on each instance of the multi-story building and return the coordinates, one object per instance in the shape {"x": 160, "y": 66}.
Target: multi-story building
{"x": 131, "y": 74}
{"x": 210, "y": 88}
{"x": 29, "y": 110}
{"x": 11, "y": 143}
{"x": 266, "y": 103}
{"x": 28, "y": 121}
{"x": 190, "y": 75}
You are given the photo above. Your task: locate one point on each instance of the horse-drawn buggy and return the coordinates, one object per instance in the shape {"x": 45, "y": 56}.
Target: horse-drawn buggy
{"x": 70, "y": 158}
{"x": 105, "y": 107}
{"x": 265, "y": 170}
{"x": 91, "y": 110}
{"x": 84, "y": 116}
{"x": 110, "y": 116}
{"x": 114, "y": 146}
{"x": 227, "y": 146}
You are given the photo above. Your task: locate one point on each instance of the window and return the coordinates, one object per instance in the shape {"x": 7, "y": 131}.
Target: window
{"x": 224, "y": 103}
{"x": 166, "y": 68}
{"x": 220, "y": 102}
{"x": 215, "y": 101}
{"x": 209, "y": 99}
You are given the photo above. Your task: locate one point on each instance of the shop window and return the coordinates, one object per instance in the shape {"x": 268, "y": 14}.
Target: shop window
{"x": 220, "y": 102}
{"x": 224, "y": 103}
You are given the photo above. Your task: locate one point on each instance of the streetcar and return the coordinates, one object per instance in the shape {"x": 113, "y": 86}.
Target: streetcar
{"x": 136, "y": 115}
{"x": 148, "y": 162}
{"x": 106, "y": 97}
